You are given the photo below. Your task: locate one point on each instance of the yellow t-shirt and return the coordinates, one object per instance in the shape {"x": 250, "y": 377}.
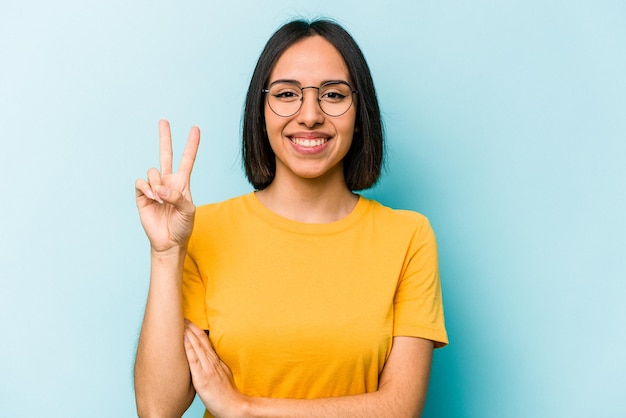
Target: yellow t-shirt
{"x": 302, "y": 310}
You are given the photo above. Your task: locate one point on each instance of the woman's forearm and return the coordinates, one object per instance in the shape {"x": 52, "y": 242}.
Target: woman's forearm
{"x": 162, "y": 379}
{"x": 375, "y": 405}
{"x": 402, "y": 389}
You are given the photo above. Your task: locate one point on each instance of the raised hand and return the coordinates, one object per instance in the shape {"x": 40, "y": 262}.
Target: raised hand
{"x": 164, "y": 200}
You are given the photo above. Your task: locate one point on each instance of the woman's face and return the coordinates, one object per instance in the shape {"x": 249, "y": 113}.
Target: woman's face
{"x": 310, "y": 144}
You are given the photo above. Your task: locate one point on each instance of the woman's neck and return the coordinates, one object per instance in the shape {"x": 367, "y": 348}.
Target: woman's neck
{"x": 309, "y": 201}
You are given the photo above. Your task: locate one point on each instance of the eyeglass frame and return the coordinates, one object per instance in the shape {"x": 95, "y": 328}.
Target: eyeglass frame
{"x": 319, "y": 100}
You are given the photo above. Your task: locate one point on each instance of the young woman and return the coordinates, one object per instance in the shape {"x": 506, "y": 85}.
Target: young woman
{"x": 301, "y": 299}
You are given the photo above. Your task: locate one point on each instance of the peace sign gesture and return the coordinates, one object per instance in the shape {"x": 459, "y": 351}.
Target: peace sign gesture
{"x": 164, "y": 200}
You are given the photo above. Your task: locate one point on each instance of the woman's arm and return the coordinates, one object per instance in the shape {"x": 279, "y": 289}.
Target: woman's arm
{"x": 162, "y": 378}
{"x": 401, "y": 390}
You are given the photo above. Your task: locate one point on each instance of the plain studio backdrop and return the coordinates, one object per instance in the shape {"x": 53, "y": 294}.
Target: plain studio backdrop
{"x": 506, "y": 126}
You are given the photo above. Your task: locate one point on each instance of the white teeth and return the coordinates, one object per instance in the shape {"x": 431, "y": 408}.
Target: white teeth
{"x": 309, "y": 142}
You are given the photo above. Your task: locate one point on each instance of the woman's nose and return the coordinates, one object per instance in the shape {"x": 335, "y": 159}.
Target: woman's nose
{"x": 310, "y": 113}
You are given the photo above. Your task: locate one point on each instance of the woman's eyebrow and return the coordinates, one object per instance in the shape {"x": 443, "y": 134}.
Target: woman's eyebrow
{"x": 335, "y": 82}
{"x": 285, "y": 81}
{"x": 296, "y": 82}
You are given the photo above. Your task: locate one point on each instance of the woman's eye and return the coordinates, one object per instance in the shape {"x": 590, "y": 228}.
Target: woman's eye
{"x": 286, "y": 95}
{"x": 333, "y": 95}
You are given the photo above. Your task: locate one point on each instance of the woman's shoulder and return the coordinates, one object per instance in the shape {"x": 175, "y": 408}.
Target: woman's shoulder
{"x": 392, "y": 215}
{"x": 399, "y": 226}
{"x": 229, "y": 208}
{"x": 223, "y": 204}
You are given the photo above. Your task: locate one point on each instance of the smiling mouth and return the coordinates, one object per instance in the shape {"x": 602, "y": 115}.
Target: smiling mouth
{"x": 308, "y": 142}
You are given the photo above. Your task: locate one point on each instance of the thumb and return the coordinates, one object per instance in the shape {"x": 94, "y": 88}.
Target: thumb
{"x": 175, "y": 198}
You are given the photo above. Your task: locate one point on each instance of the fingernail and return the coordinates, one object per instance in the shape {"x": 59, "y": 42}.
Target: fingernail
{"x": 149, "y": 194}
{"x": 163, "y": 192}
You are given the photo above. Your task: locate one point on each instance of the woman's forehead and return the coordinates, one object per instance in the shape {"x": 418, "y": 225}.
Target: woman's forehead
{"x": 312, "y": 60}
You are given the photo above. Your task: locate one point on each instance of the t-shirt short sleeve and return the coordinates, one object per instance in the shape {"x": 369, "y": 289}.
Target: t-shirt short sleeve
{"x": 418, "y": 305}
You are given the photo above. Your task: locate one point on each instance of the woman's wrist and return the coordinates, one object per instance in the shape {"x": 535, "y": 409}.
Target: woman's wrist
{"x": 167, "y": 263}
{"x": 246, "y": 407}
{"x": 174, "y": 252}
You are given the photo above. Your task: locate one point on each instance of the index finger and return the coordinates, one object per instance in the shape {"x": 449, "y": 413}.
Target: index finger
{"x": 165, "y": 147}
{"x": 191, "y": 150}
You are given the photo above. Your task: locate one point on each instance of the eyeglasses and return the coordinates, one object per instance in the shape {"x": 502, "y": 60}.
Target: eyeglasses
{"x": 285, "y": 98}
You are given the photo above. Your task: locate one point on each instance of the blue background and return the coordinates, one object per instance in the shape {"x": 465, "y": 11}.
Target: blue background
{"x": 506, "y": 124}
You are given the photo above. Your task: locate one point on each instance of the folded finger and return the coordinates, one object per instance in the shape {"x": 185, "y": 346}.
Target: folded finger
{"x": 142, "y": 188}
{"x": 154, "y": 180}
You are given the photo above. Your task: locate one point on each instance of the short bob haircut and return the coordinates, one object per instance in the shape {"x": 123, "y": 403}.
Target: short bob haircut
{"x": 364, "y": 160}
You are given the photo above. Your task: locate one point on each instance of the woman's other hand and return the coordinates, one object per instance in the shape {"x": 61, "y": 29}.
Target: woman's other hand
{"x": 211, "y": 377}
{"x": 164, "y": 200}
